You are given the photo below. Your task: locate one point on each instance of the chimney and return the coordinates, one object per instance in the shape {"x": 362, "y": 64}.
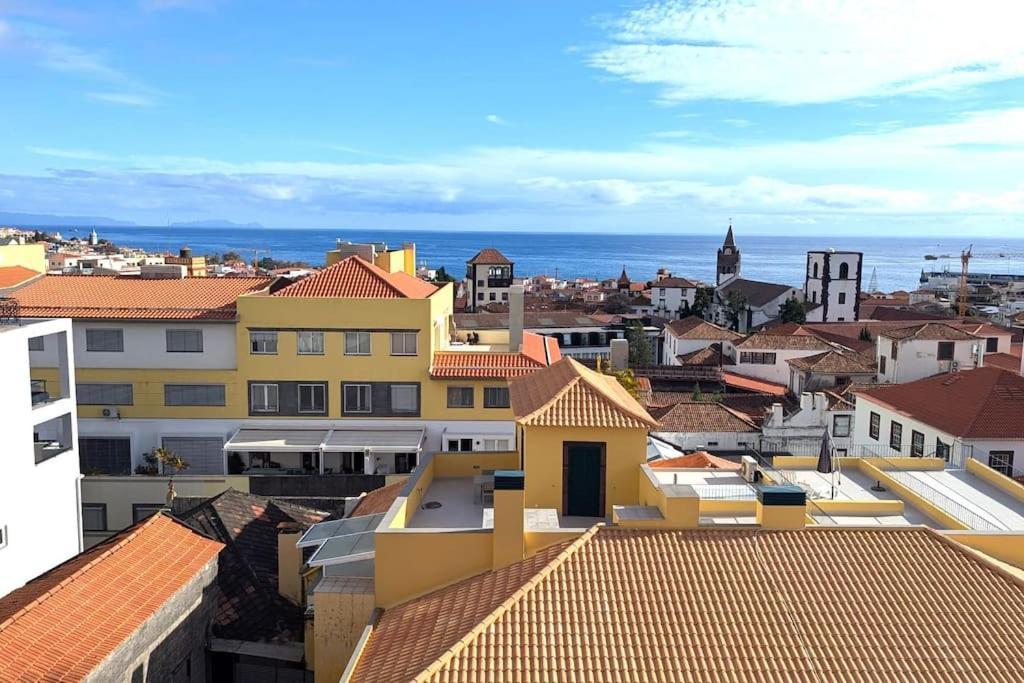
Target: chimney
{"x": 619, "y": 356}
{"x": 781, "y": 506}
{"x": 778, "y": 415}
{"x": 289, "y": 561}
{"x": 516, "y": 317}
{"x": 509, "y": 526}
{"x": 806, "y": 401}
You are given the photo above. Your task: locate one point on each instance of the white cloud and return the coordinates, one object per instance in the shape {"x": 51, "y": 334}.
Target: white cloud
{"x": 795, "y": 52}
{"x": 128, "y": 99}
{"x": 739, "y": 123}
{"x": 76, "y": 154}
{"x": 496, "y": 120}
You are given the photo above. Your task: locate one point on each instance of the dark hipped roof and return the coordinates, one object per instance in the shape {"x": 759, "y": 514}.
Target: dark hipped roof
{"x": 489, "y": 256}
{"x": 694, "y": 327}
{"x": 757, "y": 293}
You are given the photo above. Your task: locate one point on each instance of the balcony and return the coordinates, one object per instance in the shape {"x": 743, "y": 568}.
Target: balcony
{"x": 53, "y": 437}
{"x": 499, "y": 282}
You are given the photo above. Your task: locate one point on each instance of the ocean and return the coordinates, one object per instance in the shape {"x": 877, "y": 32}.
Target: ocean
{"x": 898, "y": 260}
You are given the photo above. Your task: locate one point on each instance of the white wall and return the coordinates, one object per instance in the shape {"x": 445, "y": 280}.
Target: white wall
{"x": 778, "y": 373}
{"x": 669, "y": 300}
{"x": 39, "y": 503}
{"x": 145, "y": 346}
{"x": 916, "y": 359}
{"x": 823, "y": 273}
{"x": 711, "y": 441}
{"x": 674, "y": 346}
{"x": 862, "y": 426}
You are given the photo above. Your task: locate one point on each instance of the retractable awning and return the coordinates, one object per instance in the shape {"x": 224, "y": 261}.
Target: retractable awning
{"x": 277, "y": 440}
{"x": 381, "y": 440}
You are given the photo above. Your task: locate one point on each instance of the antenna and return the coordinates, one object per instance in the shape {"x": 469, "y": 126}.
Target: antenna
{"x": 873, "y": 285}
{"x": 965, "y": 260}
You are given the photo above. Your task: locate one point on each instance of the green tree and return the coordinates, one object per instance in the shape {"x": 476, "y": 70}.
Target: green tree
{"x": 735, "y": 307}
{"x": 702, "y": 302}
{"x": 443, "y": 276}
{"x": 625, "y": 377}
{"x": 793, "y": 311}
{"x": 230, "y": 256}
{"x": 697, "y": 395}
{"x": 639, "y": 344}
{"x": 865, "y": 334}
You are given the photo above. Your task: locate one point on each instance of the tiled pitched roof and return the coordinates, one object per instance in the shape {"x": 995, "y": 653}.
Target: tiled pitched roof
{"x": 537, "y": 352}
{"x": 738, "y": 604}
{"x": 569, "y": 394}
{"x": 834, "y": 362}
{"x": 708, "y": 356}
{"x": 250, "y": 607}
{"x": 489, "y": 256}
{"x": 698, "y": 460}
{"x": 679, "y": 282}
{"x": 378, "y": 500}
{"x": 701, "y": 416}
{"x": 354, "y": 278}
{"x": 929, "y": 332}
{"x": 986, "y": 402}
{"x": 101, "y": 297}
{"x": 12, "y": 276}
{"x": 782, "y": 342}
{"x": 758, "y": 386}
{"x": 755, "y": 292}
{"x": 1006, "y": 361}
{"x": 697, "y": 328}
{"x": 63, "y": 624}
{"x": 533, "y": 320}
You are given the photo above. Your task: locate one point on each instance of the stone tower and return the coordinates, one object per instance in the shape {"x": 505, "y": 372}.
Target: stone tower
{"x": 728, "y": 259}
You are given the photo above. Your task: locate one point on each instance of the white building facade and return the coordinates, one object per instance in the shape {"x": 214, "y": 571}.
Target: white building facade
{"x": 909, "y": 354}
{"x": 832, "y": 285}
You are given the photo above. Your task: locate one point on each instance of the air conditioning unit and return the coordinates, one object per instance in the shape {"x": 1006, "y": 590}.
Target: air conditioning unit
{"x": 954, "y": 366}
{"x": 110, "y": 411}
{"x": 748, "y": 469}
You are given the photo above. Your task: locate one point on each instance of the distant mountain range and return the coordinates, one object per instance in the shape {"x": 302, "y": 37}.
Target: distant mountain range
{"x": 213, "y": 223}
{"x": 50, "y": 220}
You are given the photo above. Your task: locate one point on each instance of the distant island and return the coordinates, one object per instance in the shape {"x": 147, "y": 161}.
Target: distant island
{"x": 52, "y": 220}
{"x": 213, "y": 223}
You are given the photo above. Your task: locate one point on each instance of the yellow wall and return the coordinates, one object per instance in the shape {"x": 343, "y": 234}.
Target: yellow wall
{"x": 470, "y": 464}
{"x": 1006, "y": 546}
{"x": 411, "y": 563}
{"x": 31, "y": 256}
{"x": 626, "y": 450}
{"x": 997, "y": 479}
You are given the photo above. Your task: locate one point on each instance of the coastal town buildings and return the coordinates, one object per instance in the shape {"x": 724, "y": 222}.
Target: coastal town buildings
{"x": 673, "y": 297}
{"x": 832, "y": 285}
{"x": 488, "y": 279}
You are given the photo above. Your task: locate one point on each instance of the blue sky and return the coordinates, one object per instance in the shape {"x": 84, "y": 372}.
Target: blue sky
{"x": 852, "y": 116}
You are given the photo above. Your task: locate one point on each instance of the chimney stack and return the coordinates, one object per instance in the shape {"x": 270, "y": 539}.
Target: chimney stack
{"x": 289, "y": 561}
{"x": 516, "y": 317}
{"x": 619, "y": 356}
{"x": 509, "y": 525}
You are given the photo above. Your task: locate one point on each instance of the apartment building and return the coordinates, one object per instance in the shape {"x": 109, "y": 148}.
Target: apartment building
{"x": 488, "y": 279}
{"x": 40, "y": 518}
{"x": 325, "y": 386}
{"x": 906, "y": 354}
{"x": 672, "y": 297}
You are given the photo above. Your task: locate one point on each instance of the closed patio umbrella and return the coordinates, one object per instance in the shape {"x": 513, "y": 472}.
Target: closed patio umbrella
{"x": 826, "y": 464}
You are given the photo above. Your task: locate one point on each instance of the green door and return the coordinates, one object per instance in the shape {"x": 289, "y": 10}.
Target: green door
{"x": 583, "y": 480}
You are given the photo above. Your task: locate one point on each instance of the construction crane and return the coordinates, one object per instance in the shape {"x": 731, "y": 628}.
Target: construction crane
{"x": 965, "y": 259}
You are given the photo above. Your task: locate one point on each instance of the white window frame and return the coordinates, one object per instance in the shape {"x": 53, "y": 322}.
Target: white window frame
{"x": 835, "y": 424}
{"x": 402, "y": 348}
{"x": 369, "y": 398}
{"x": 308, "y": 338}
{"x": 358, "y": 336}
{"x": 264, "y": 389}
{"x": 415, "y": 398}
{"x": 323, "y": 396}
{"x": 266, "y": 338}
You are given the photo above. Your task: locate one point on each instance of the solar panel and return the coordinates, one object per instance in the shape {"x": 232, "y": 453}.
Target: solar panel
{"x": 343, "y": 549}
{"x": 318, "y": 533}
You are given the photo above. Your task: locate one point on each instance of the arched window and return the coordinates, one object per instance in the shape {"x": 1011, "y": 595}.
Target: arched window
{"x": 815, "y": 270}
{"x": 844, "y": 271}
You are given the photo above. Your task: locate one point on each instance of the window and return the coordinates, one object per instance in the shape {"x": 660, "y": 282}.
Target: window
{"x": 1001, "y": 461}
{"x": 945, "y": 351}
{"x": 895, "y": 435}
{"x": 893, "y": 349}
{"x": 312, "y": 398}
{"x": 263, "y": 398}
{"x": 844, "y": 271}
{"x": 404, "y": 398}
{"x": 496, "y": 397}
{"x": 991, "y": 344}
{"x": 405, "y": 463}
{"x": 353, "y": 462}
{"x": 874, "y": 426}
{"x": 815, "y": 270}
{"x": 3, "y": 537}
{"x": 141, "y": 511}
{"x": 460, "y": 397}
{"x": 311, "y": 342}
{"x": 99, "y": 455}
{"x": 184, "y": 341}
{"x": 842, "y": 297}
{"x": 496, "y": 445}
{"x": 94, "y": 517}
{"x": 881, "y": 365}
{"x": 403, "y": 343}
{"x": 460, "y": 445}
{"x": 841, "y": 425}
{"x": 105, "y": 340}
{"x": 916, "y": 444}
{"x": 492, "y": 297}
{"x": 941, "y": 450}
{"x": 194, "y": 395}
{"x": 263, "y": 343}
{"x": 480, "y": 296}
{"x": 105, "y": 394}
{"x": 357, "y": 398}
{"x": 757, "y": 358}
{"x": 357, "y": 343}
{"x": 36, "y": 344}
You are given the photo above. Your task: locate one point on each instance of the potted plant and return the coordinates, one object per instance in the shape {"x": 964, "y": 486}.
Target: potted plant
{"x": 169, "y": 461}
{"x": 149, "y": 467}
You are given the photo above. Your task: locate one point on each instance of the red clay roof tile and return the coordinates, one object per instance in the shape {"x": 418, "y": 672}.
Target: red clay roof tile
{"x": 354, "y": 278}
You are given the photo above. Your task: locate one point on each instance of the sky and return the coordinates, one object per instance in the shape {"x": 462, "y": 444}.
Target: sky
{"x": 785, "y": 116}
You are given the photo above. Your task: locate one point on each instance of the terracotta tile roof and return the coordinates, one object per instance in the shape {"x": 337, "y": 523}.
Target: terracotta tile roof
{"x": 569, "y": 394}
{"x": 701, "y": 416}
{"x": 101, "y": 297}
{"x": 490, "y": 256}
{"x": 738, "y": 604}
{"x": 986, "y": 402}
{"x": 782, "y": 342}
{"x": 1006, "y": 361}
{"x": 63, "y": 624}
{"x": 759, "y": 386}
{"x": 679, "y": 282}
{"x": 834, "y": 362}
{"x": 537, "y": 352}
{"x": 981, "y": 329}
{"x": 929, "y": 332}
{"x": 249, "y": 606}
{"x": 378, "y": 500}
{"x": 12, "y": 276}
{"x": 756, "y": 293}
{"x": 697, "y": 460}
{"x": 697, "y": 328}
{"x": 354, "y": 278}
{"x": 708, "y": 356}
{"x": 533, "y": 320}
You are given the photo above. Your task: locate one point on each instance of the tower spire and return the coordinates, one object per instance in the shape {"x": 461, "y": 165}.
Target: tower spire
{"x": 729, "y": 241}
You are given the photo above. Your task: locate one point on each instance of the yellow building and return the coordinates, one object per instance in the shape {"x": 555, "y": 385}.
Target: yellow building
{"x": 195, "y": 266}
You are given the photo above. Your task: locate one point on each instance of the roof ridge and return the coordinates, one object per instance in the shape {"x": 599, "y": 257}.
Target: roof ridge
{"x": 557, "y": 396}
{"x": 508, "y": 603}
{"x": 128, "y": 538}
